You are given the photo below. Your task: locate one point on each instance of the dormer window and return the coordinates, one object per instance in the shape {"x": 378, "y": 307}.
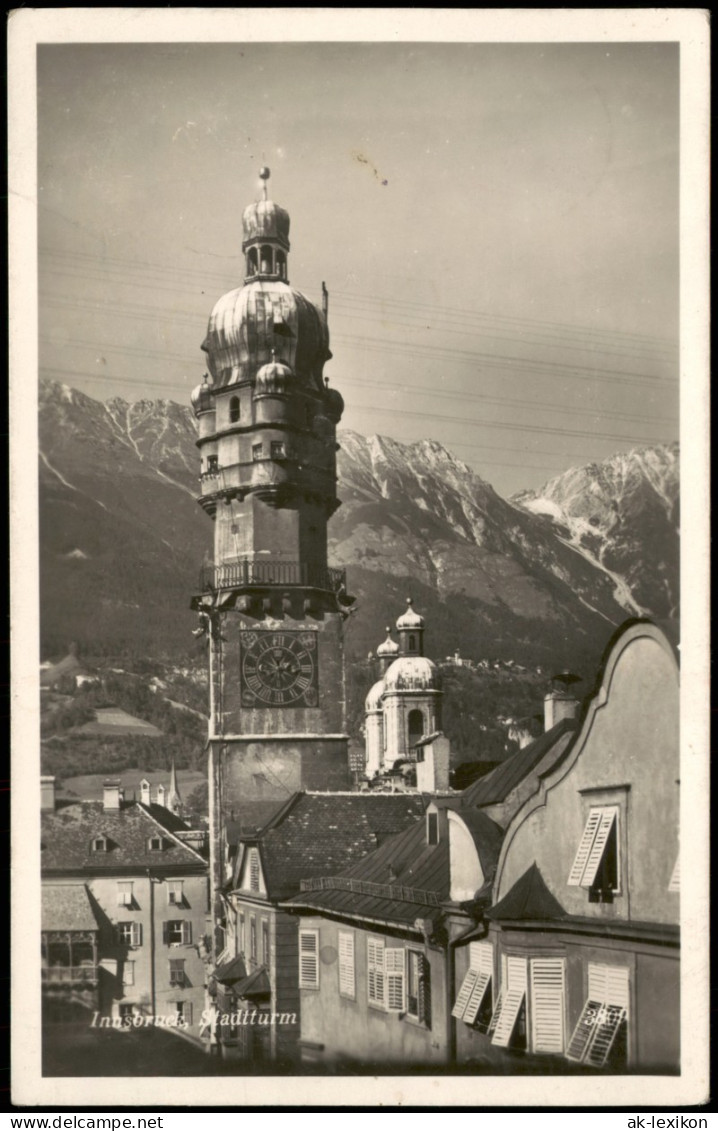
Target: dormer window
{"x": 253, "y": 870}
{"x": 155, "y": 844}
{"x": 432, "y": 828}
{"x": 596, "y": 865}
{"x": 234, "y": 410}
{"x": 99, "y": 844}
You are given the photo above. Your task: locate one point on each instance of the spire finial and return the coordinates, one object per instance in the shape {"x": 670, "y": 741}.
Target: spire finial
{"x": 388, "y": 629}
{"x": 264, "y": 174}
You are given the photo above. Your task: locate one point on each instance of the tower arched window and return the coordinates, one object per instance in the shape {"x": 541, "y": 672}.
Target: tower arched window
{"x": 265, "y": 260}
{"x": 416, "y": 726}
{"x": 281, "y": 265}
{"x": 252, "y": 261}
{"x": 234, "y": 410}
{"x": 412, "y": 643}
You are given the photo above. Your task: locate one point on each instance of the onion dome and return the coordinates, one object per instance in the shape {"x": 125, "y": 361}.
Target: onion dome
{"x": 265, "y": 220}
{"x": 409, "y": 619}
{"x": 333, "y": 405}
{"x": 373, "y": 699}
{"x": 412, "y": 673}
{"x": 275, "y": 378}
{"x": 201, "y": 397}
{"x": 389, "y": 647}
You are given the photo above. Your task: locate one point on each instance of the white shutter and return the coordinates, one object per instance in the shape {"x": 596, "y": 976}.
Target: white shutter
{"x": 584, "y": 848}
{"x": 547, "y": 1004}
{"x": 514, "y": 992}
{"x": 375, "y": 971}
{"x": 605, "y": 824}
{"x": 308, "y": 960}
{"x": 584, "y": 1031}
{"x": 481, "y": 957}
{"x": 607, "y": 1025}
{"x": 462, "y": 998}
{"x": 124, "y": 894}
{"x": 675, "y": 884}
{"x": 395, "y": 971}
{"x": 347, "y": 986}
{"x": 609, "y": 984}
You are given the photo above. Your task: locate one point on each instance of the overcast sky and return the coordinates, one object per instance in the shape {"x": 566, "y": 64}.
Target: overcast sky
{"x": 497, "y": 226}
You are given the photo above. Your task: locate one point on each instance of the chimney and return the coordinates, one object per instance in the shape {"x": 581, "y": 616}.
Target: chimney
{"x": 145, "y": 792}
{"x": 47, "y": 793}
{"x": 561, "y": 702}
{"x": 111, "y": 794}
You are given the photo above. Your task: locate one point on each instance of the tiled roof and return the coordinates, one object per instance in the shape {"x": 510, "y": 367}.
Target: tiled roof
{"x": 406, "y": 861}
{"x": 325, "y": 833}
{"x": 529, "y": 898}
{"x": 231, "y": 972}
{"x": 67, "y": 907}
{"x": 67, "y": 836}
{"x": 255, "y": 984}
{"x": 496, "y": 786}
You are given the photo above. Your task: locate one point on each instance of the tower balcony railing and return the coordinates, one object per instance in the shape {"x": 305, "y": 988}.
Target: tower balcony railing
{"x": 238, "y": 575}
{"x": 55, "y": 974}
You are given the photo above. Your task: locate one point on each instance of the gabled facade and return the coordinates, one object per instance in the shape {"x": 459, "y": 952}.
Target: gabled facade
{"x": 125, "y": 913}
{"x": 580, "y": 958}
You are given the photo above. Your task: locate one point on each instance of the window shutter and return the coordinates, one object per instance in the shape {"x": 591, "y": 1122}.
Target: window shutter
{"x": 308, "y": 960}
{"x": 497, "y": 1012}
{"x": 187, "y": 1011}
{"x": 605, "y": 824}
{"x": 464, "y": 994}
{"x": 675, "y": 884}
{"x": 347, "y": 985}
{"x": 375, "y": 971}
{"x": 425, "y": 991}
{"x": 253, "y": 869}
{"x": 547, "y": 1004}
{"x": 187, "y": 931}
{"x": 513, "y": 997}
{"x": 395, "y": 971}
{"x": 583, "y": 1033}
{"x": 609, "y": 984}
{"x": 137, "y": 934}
{"x": 606, "y": 1008}
{"x": 584, "y": 848}
{"x": 166, "y": 933}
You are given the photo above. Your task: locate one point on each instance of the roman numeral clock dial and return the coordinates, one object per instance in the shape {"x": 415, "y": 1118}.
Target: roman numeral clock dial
{"x": 278, "y": 669}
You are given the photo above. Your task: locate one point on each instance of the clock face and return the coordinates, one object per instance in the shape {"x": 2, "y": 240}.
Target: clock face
{"x": 278, "y": 669}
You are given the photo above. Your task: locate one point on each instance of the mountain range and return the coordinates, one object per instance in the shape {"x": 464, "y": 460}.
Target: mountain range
{"x": 541, "y": 578}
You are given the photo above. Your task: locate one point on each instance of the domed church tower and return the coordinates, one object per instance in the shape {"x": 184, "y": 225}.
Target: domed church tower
{"x": 270, "y": 603}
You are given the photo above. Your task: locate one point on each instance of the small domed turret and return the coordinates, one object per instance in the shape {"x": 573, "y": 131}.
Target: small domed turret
{"x": 410, "y": 627}
{"x": 201, "y": 397}
{"x": 389, "y": 647}
{"x": 373, "y": 699}
{"x": 409, "y": 619}
{"x": 273, "y": 379}
{"x": 333, "y": 405}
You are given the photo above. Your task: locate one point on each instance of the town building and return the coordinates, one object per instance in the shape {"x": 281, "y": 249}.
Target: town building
{"x": 125, "y": 904}
{"x": 272, "y": 607}
{"x": 577, "y": 964}
{"x": 258, "y": 967}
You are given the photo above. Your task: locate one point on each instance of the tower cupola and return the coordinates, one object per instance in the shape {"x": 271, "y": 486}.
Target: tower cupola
{"x": 410, "y": 627}
{"x": 387, "y": 652}
{"x": 273, "y": 379}
{"x": 266, "y": 237}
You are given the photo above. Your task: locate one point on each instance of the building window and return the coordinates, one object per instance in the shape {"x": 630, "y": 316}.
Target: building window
{"x": 126, "y": 1010}
{"x": 155, "y": 844}
{"x": 124, "y": 894}
{"x": 601, "y": 1031}
{"x": 177, "y": 932}
{"x": 596, "y": 865}
{"x": 175, "y": 893}
{"x": 509, "y": 1021}
{"x": 473, "y": 1001}
{"x": 128, "y": 973}
{"x": 253, "y": 938}
{"x": 432, "y": 828}
{"x": 416, "y": 726}
{"x": 395, "y": 977}
{"x": 412, "y": 643}
{"x": 278, "y": 449}
{"x": 347, "y": 979}
{"x": 129, "y": 934}
{"x": 184, "y": 1011}
{"x": 241, "y": 942}
{"x": 252, "y": 261}
{"x": 265, "y": 942}
{"x": 212, "y": 465}
{"x": 234, "y": 410}
{"x": 99, "y": 844}
{"x": 375, "y": 971}
{"x": 309, "y": 960}
{"x": 547, "y": 1004}
{"x": 418, "y": 990}
{"x": 253, "y": 869}
{"x": 256, "y": 451}
{"x": 177, "y": 974}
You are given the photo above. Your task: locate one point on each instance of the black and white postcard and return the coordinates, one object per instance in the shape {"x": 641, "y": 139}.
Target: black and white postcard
{"x": 359, "y": 666}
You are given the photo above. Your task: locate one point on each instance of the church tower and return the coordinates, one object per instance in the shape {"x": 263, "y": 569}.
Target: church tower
{"x": 271, "y": 605}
